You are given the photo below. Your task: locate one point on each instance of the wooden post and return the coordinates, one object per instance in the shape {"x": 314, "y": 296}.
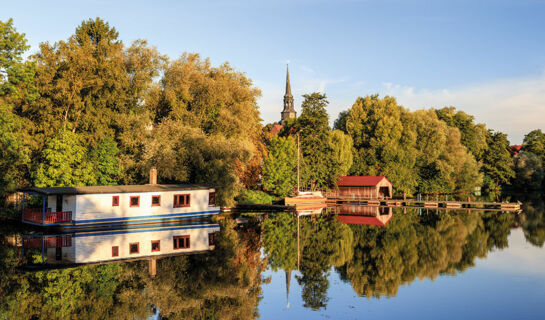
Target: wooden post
{"x": 43, "y": 209}
{"x": 152, "y": 267}
{"x": 23, "y": 214}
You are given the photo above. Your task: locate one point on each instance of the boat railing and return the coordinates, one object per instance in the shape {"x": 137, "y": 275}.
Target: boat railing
{"x": 36, "y": 215}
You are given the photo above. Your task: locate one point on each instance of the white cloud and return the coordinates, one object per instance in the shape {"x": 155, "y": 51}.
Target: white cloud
{"x": 513, "y": 106}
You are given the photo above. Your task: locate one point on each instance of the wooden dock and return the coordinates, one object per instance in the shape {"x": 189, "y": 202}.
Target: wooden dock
{"x": 493, "y": 206}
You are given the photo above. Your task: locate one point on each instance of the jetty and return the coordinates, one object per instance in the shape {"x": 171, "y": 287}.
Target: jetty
{"x": 440, "y": 204}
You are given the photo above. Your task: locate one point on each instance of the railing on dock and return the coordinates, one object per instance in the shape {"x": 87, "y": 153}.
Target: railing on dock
{"x": 37, "y": 216}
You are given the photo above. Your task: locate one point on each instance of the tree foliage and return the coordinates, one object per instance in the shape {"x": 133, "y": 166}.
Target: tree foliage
{"x": 280, "y": 166}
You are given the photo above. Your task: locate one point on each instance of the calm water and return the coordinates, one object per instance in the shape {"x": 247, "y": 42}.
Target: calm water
{"x": 349, "y": 263}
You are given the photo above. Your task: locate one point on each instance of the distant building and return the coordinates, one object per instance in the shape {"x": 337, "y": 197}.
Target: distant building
{"x": 367, "y": 187}
{"x": 276, "y": 128}
{"x": 289, "y": 110}
{"x": 515, "y": 149}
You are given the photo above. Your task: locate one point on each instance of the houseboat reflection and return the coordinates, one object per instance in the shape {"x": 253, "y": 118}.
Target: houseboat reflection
{"x": 106, "y": 245}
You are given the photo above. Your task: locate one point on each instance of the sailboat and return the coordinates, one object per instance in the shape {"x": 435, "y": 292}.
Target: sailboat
{"x": 305, "y": 200}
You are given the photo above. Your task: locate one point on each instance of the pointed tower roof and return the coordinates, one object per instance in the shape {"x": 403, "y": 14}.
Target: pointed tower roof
{"x": 288, "y": 87}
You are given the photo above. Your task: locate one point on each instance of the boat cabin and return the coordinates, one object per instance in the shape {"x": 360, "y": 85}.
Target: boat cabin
{"x": 364, "y": 187}
{"x": 71, "y": 207}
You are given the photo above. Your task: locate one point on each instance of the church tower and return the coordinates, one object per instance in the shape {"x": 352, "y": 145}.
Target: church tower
{"x": 289, "y": 111}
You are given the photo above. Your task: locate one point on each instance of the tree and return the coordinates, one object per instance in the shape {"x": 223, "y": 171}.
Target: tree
{"x": 341, "y": 144}
{"x": 473, "y": 136}
{"x": 497, "y": 160}
{"x": 16, "y": 75}
{"x": 82, "y": 82}
{"x": 64, "y": 163}
{"x": 529, "y": 172}
{"x": 280, "y": 166}
{"x": 534, "y": 142}
{"x": 319, "y": 163}
{"x": 15, "y": 151}
{"x": 105, "y": 161}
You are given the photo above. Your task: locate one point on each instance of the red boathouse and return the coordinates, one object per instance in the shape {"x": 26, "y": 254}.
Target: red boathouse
{"x": 364, "y": 187}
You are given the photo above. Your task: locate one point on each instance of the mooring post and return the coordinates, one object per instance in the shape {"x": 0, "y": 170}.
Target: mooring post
{"x": 152, "y": 267}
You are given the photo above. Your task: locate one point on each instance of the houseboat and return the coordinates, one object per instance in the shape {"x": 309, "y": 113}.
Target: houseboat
{"x": 94, "y": 206}
{"x": 136, "y": 243}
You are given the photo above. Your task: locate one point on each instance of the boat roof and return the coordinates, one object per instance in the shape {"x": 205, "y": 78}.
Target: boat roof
{"x": 360, "y": 181}
{"x": 116, "y": 189}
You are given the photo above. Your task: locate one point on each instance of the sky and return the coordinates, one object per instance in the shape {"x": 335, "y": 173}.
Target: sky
{"x": 485, "y": 57}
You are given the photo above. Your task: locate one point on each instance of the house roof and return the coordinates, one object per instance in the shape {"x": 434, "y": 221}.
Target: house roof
{"x": 360, "y": 181}
{"x": 364, "y": 220}
{"x": 115, "y": 189}
{"x": 276, "y": 128}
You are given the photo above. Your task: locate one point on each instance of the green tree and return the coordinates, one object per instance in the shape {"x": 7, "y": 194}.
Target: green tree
{"x": 342, "y": 144}
{"x": 105, "y": 161}
{"x": 16, "y": 75}
{"x": 319, "y": 163}
{"x": 15, "y": 152}
{"x": 473, "y": 136}
{"x": 280, "y": 166}
{"x": 529, "y": 172}
{"x": 64, "y": 163}
{"x": 534, "y": 142}
{"x": 497, "y": 160}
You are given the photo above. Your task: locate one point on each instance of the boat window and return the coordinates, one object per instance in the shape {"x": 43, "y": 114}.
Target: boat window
{"x": 135, "y": 201}
{"x": 181, "y": 200}
{"x": 115, "y": 201}
{"x": 155, "y": 201}
{"x": 134, "y": 248}
{"x": 212, "y": 199}
{"x": 115, "y": 251}
{"x": 181, "y": 242}
{"x": 155, "y": 245}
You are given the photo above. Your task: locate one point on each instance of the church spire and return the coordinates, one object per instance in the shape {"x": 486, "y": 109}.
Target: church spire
{"x": 289, "y": 111}
{"x": 288, "y": 86}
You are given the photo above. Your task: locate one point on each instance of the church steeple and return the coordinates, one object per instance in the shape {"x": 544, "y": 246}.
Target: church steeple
{"x": 289, "y": 111}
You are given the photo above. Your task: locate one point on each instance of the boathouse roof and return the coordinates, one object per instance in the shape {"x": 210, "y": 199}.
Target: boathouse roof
{"x": 360, "y": 181}
{"x": 116, "y": 189}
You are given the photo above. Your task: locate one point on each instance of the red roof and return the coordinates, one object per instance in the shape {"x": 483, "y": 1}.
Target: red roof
{"x": 360, "y": 181}
{"x": 276, "y": 128}
{"x": 365, "y": 220}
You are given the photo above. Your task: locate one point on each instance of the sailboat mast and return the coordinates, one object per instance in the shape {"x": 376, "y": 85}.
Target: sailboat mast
{"x": 298, "y": 152}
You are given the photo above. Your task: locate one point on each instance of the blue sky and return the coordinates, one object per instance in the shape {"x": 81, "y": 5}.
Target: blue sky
{"x": 484, "y": 57}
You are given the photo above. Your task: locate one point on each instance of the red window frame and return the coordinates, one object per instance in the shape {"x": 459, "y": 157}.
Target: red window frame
{"x": 212, "y": 199}
{"x": 115, "y": 201}
{"x": 158, "y": 245}
{"x": 159, "y": 202}
{"x": 135, "y": 205}
{"x": 115, "y": 251}
{"x": 186, "y": 200}
{"x": 186, "y": 242}
{"x": 137, "y": 247}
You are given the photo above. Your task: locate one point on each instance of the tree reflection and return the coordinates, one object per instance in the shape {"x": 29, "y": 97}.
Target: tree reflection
{"x": 376, "y": 261}
{"x": 223, "y": 284}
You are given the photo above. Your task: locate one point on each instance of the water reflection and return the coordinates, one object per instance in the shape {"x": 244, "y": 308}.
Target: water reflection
{"x": 106, "y": 245}
{"x": 338, "y": 251}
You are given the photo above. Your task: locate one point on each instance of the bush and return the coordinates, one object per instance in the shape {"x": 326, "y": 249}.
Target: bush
{"x": 255, "y": 197}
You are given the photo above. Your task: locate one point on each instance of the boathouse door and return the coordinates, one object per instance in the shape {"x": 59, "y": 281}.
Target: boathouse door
{"x": 59, "y": 203}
